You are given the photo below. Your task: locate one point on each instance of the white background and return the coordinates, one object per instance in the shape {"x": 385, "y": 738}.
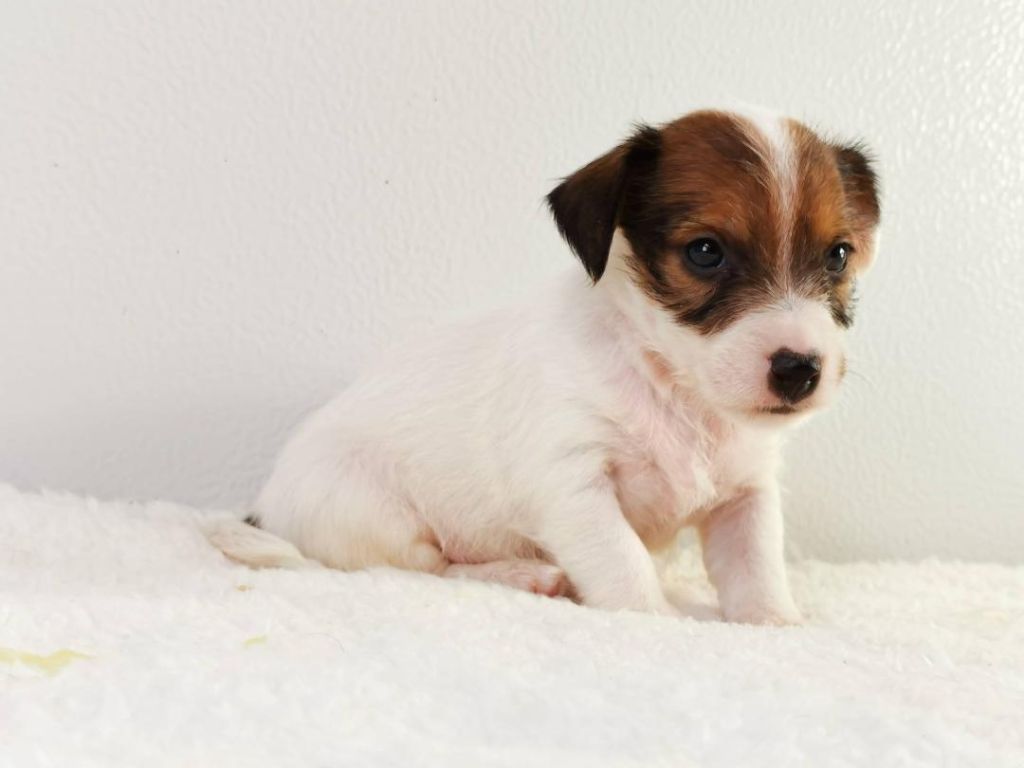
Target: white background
{"x": 212, "y": 212}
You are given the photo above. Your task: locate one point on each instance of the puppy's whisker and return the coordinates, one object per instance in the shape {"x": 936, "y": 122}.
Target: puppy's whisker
{"x": 862, "y": 376}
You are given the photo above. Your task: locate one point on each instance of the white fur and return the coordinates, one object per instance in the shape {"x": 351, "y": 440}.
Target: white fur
{"x": 581, "y": 430}
{"x": 548, "y": 432}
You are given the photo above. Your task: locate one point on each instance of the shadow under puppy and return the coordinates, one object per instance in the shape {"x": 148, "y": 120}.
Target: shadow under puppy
{"x": 555, "y": 445}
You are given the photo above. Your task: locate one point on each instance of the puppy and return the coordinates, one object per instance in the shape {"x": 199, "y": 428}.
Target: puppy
{"x": 554, "y": 446}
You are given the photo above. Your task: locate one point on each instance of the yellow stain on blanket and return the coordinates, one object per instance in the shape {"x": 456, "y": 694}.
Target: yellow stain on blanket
{"x": 257, "y": 640}
{"x": 50, "y": 664}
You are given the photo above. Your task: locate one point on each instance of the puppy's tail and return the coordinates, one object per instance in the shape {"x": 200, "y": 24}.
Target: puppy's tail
{"x": 245, "y": 543}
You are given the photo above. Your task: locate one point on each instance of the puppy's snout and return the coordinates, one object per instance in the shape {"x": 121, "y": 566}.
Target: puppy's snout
{"x": 794, "y": 376}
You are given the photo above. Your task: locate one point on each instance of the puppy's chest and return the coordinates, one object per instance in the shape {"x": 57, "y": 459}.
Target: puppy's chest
{"x": 670, "y": 468}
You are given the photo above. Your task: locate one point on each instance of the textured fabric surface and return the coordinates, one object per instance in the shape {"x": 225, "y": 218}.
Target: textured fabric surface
{"x": 126, "y": 640}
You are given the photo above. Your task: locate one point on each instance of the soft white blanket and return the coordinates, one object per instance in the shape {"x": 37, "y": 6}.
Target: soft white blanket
{"x": 125, "y": 640}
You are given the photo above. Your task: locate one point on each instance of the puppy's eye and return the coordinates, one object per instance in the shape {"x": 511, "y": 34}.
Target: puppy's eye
{"x": 835, "y": 259}
{"x": 705, "y": 255}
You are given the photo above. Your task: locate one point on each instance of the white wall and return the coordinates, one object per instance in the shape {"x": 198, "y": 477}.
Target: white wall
{"x": 213, "y": 211}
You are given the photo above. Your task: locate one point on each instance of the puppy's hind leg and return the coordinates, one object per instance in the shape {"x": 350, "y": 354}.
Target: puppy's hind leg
{"x": 347, "y": 515}
{"x": 528, "y": 575}
{"x": 373, "y": 527}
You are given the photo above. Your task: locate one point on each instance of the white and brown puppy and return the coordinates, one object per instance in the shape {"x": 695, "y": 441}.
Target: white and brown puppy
{"x": 554, "y": 446}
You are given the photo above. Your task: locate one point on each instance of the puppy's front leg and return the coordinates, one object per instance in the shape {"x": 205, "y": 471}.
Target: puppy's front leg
{"x": 606, "y": 562}
{"x": 743, "y": 555}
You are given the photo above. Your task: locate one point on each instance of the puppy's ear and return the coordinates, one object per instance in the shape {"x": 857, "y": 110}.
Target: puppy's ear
{"x": 859, "y": 182}
{"x": 586, "y": 205}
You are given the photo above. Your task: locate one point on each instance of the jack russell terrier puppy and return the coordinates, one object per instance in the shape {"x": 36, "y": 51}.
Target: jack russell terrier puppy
{"x": 554, "y": 446}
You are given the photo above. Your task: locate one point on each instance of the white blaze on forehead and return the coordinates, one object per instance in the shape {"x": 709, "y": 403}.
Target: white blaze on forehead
{"x": 773, "y": 140}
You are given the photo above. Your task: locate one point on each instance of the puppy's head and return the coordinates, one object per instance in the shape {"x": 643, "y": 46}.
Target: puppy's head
{"x": 744, "y": 236}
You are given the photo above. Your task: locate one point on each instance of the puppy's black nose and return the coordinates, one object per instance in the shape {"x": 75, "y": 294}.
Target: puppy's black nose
{"x": 793, "y": 376}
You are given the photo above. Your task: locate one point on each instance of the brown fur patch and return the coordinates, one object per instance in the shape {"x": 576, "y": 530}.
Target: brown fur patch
{"x": 713, "y": 174}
